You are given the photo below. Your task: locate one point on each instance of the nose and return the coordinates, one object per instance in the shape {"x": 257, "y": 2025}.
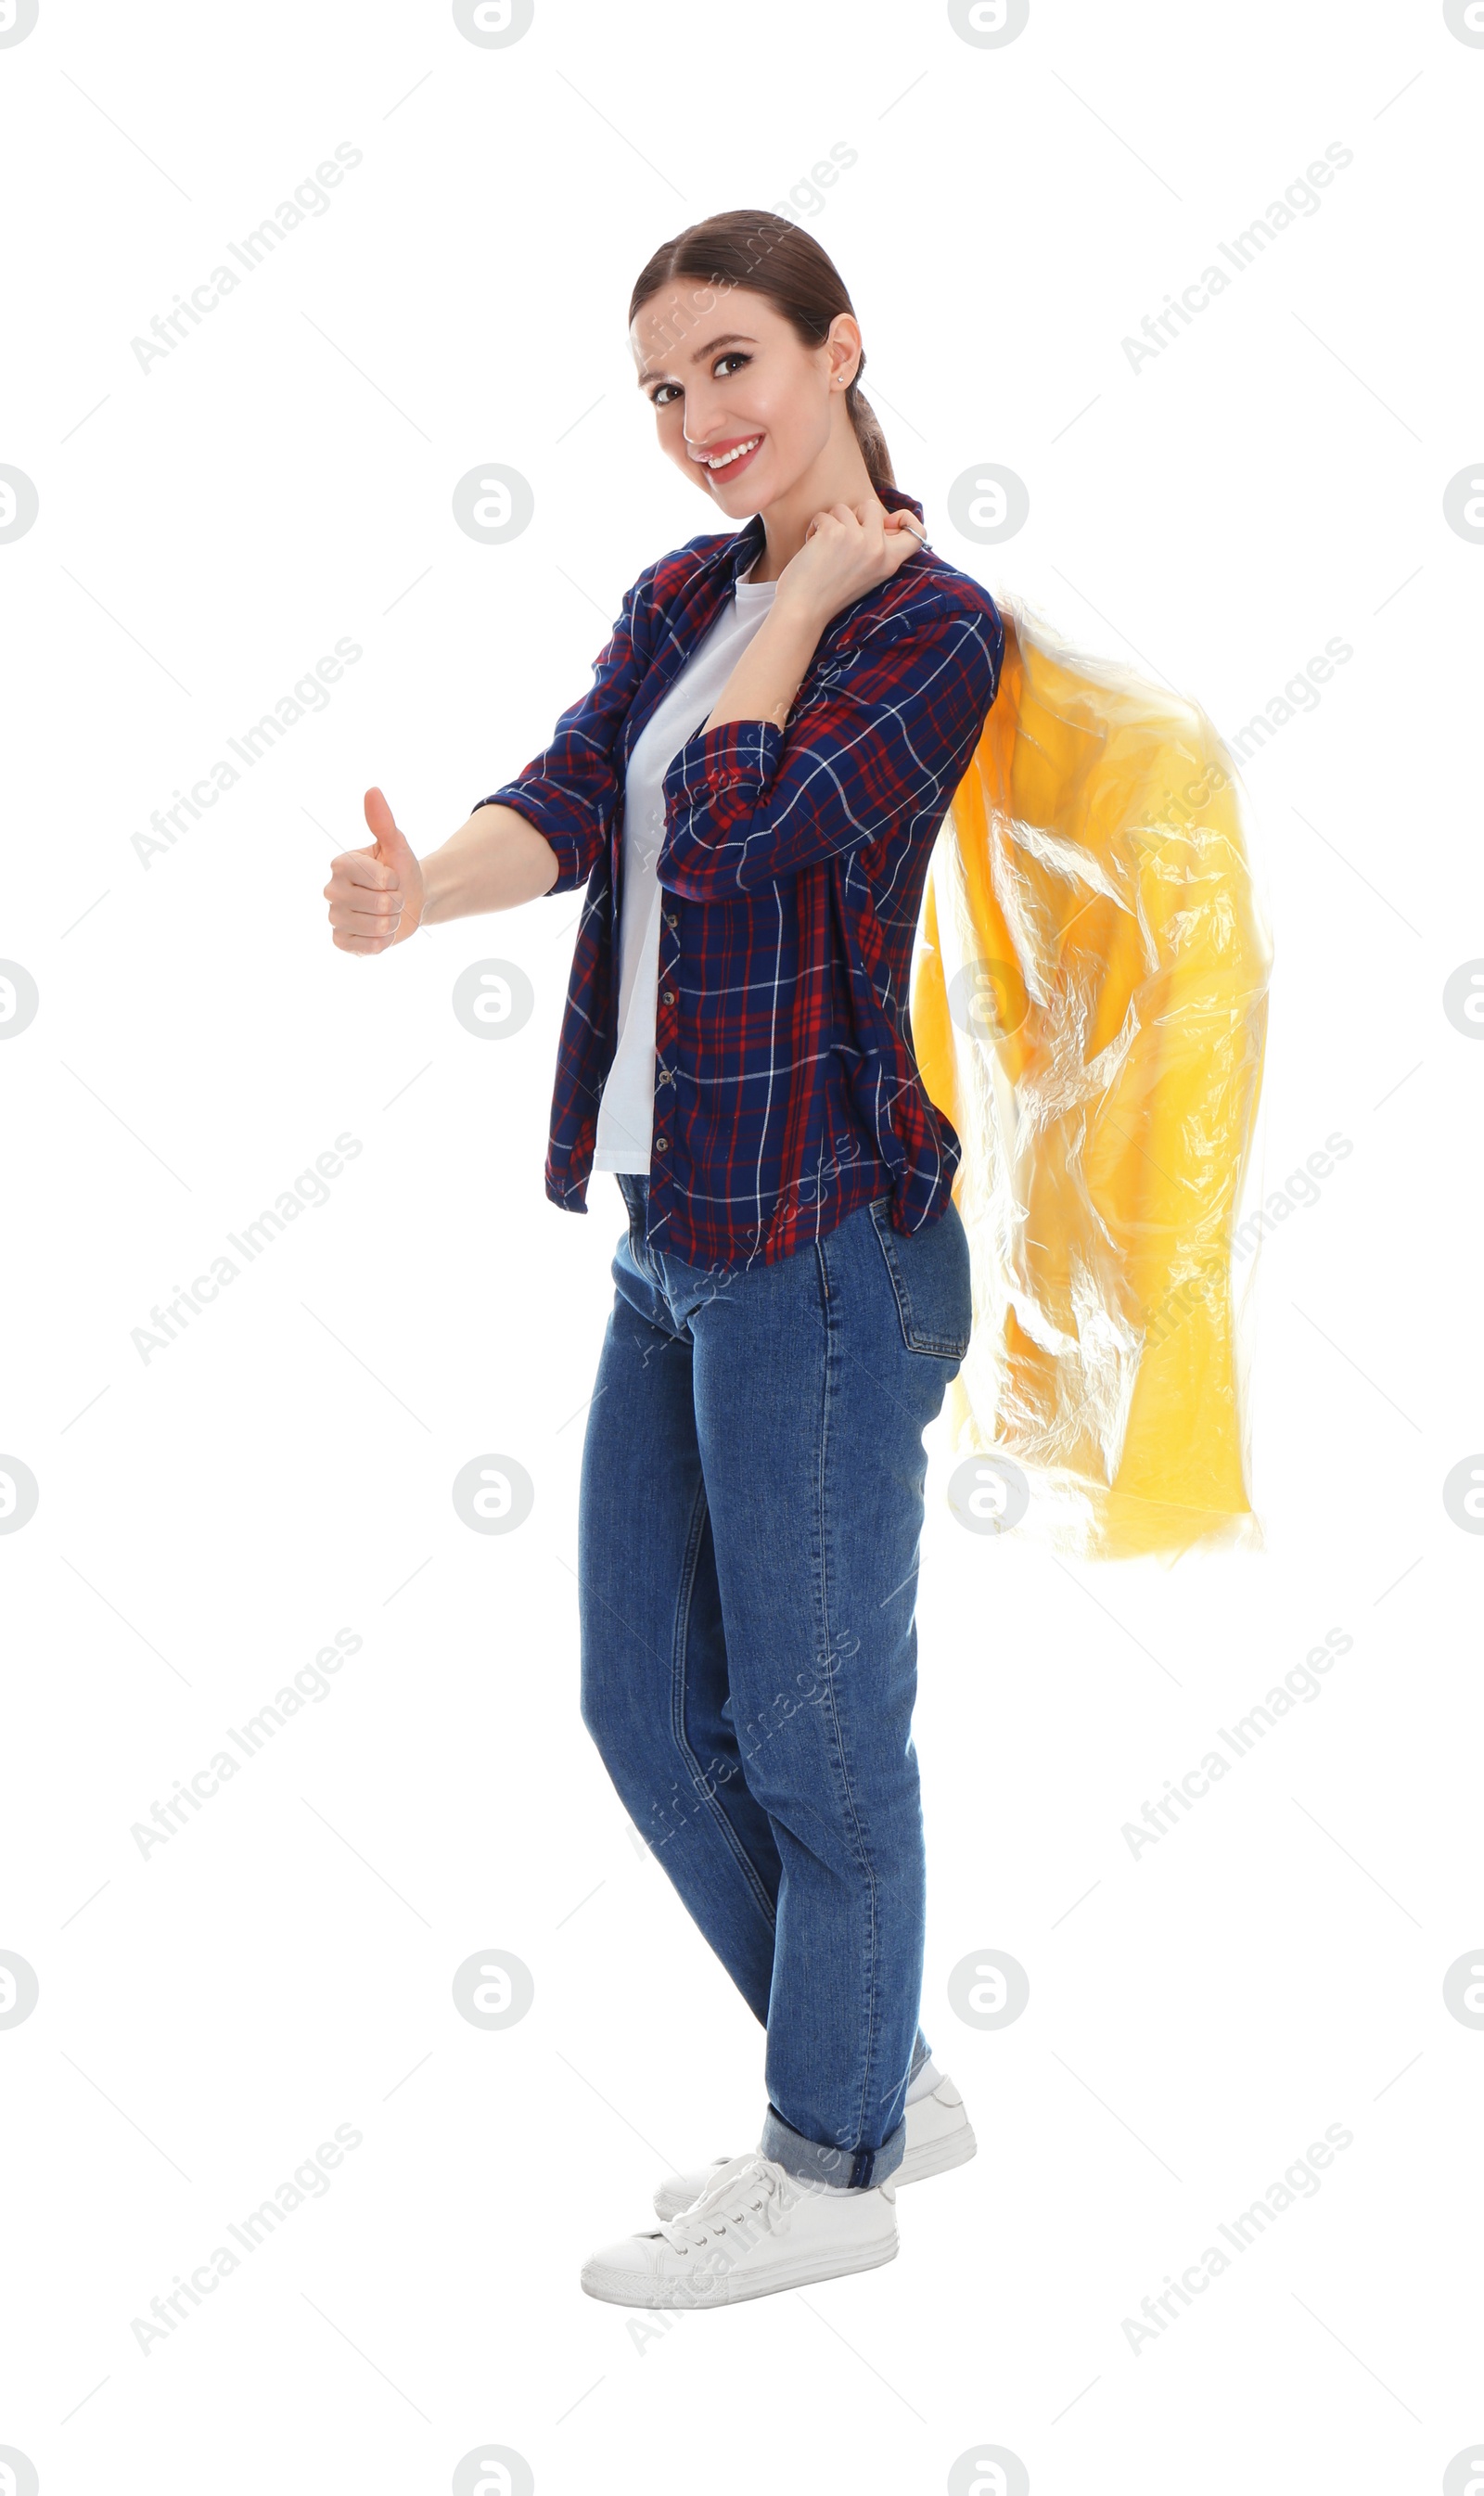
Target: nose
{"x": 693, "y": 407}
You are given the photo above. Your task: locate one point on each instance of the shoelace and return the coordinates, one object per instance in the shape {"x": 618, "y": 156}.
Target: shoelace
{"x": 735, "y": 2193}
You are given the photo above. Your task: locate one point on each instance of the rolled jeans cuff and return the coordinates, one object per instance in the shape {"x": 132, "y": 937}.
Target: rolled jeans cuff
{"x": 821, "y": 2161}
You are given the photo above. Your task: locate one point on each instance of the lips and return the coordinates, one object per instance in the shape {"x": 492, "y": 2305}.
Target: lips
{"x": 733, "y": 457}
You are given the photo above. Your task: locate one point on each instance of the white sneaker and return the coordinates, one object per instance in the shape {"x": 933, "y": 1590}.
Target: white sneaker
{"x": 938, "y": 2136}
{"x": 752, "y": 2229}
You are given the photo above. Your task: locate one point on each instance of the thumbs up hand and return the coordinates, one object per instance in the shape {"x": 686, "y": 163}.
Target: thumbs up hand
{"x": 375, "y": 894}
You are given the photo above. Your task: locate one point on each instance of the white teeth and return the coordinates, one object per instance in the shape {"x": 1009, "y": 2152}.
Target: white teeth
{"x": 727, "y": 457}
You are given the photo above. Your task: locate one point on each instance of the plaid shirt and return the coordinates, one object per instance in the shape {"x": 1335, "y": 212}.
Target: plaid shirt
{"x": 792, "y": 864}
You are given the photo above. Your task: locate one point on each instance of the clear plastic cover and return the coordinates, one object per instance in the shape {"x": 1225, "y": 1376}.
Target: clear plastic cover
{"x": 1089, "y": 1007}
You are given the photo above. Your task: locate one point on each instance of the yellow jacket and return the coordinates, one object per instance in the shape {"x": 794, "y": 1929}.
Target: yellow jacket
{"x": 1089, "y": 1007}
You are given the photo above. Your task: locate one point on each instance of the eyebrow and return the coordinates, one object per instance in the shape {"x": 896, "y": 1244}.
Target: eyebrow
{"x": 728, "y": 337}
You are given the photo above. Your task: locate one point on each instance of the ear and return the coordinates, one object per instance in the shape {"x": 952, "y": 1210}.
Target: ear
{"x": 845, "y": 346}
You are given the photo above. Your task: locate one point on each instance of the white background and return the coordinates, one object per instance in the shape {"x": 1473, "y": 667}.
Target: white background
{"x": 208, "y": 1519}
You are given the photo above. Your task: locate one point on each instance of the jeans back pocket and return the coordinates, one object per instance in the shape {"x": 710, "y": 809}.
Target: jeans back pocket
{"x": 930, "y": 1275}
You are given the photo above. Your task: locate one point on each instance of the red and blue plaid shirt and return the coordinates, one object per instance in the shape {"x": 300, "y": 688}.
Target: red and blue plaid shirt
{"x": 786, "y": 1092}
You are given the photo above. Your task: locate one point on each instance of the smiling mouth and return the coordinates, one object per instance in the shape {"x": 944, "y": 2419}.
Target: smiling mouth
{"x": 732, "y": 458}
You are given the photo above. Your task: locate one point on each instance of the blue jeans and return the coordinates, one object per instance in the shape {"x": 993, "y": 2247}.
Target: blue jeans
{"x": 748, "y": 1521}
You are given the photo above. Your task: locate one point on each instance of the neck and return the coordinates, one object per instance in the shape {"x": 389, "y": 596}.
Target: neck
{"x": 842, "y": 478}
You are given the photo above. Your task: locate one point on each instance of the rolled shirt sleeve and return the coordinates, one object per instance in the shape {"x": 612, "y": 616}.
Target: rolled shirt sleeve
{"x": 886, "y": 738}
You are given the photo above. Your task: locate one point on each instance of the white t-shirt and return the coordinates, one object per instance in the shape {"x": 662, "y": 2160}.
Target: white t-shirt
{"x": 625, "y": 1112}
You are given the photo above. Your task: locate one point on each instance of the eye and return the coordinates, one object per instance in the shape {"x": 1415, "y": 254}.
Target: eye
{"x": 728, "y": 356}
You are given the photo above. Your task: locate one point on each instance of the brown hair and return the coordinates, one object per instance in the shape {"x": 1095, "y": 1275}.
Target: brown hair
{"x": 756, "y": 248}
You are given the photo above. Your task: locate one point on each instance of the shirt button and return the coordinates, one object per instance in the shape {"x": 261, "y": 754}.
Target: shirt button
{"x": 668, "y": 997}
{"x": 662, "y": 1144}
{"x": 670, "y": 918}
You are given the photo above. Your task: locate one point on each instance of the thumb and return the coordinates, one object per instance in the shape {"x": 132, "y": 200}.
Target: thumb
{"x": 382, "y": 824}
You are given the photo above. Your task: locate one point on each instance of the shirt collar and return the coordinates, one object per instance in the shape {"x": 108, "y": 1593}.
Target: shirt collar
{"x": 742, "y": 551}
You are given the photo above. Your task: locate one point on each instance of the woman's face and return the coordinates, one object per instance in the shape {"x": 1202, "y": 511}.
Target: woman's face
{"x": 724, "y": 372}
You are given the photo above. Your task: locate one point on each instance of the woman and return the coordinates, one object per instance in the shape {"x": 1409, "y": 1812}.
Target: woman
{"x": 749, "y": 794}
